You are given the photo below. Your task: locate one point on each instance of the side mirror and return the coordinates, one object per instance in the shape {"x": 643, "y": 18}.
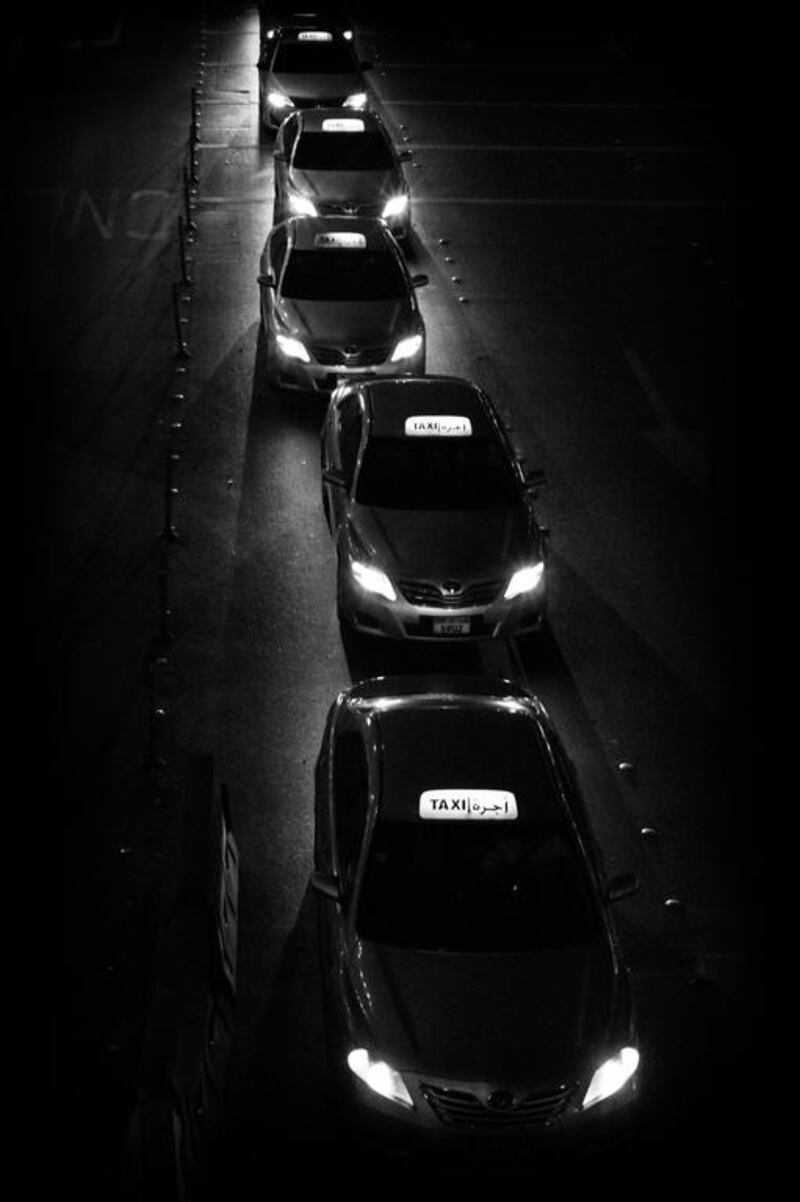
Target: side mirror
{"x": 622, "y": 886}
{"x": 332, "y": 475}
{"x": 268, "y": 280}
{"x": 328, "y": 886}
{"x": 534, "y": 478}
{"x": 419, "y": 281}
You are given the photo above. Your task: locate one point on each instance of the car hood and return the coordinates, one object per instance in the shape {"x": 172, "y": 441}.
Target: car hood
{"x": 314, "y": 87}
{"x": 347, "y": 187}
{"x": 354, "y": 321}
{"x": 512, "y": 1018}
{"x": 462, "y": 544}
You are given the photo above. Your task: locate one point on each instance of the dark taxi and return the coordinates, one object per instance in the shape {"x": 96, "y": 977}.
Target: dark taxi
{"x": 431, "y": 513}
{"x": 474, "y": 984}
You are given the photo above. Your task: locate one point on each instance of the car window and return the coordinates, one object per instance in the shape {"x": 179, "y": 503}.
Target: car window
{"x": 350, "y": 796}
{"x": 344, "y": 275}
{"x": 350, "y": 426}
{"x": 313, "y": 58}
{"x": 475, "y": 888}
{"x": 441, "y": 473}
{"x": 343, "y": 152}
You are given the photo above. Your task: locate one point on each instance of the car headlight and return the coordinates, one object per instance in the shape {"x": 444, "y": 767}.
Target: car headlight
{"x": 357, "y": 100}
{"x": 395, "y": 206}
{"x": 524, "y": 581}
{"x": 279, "y": 100}
{"x": 373, "y": 580}
{"x": 379, "y": 1076}
{"x": 302, "y": 206}
{"x": 407, "y": 348}
{"x": 610, "y": 1077}
{"x": 293, "y": 348}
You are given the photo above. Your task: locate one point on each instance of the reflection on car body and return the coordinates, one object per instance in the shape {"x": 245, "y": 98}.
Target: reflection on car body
{"x": 333, "y": 162}
{"x": 337, "y": 300}
{"x": 431, "y": 513}
{"x": 473, "y": 978}
{"x": 303, "y": 67}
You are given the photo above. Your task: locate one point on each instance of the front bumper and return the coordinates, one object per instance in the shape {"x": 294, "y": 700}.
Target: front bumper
{"x": 484, "y": 1139}
{"x": 317, "y": 377}
{"x": 371, "y": 614}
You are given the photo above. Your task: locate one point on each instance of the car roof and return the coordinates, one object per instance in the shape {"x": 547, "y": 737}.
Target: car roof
{"x": 310, "y": 120}
{"x": 452, "y": 745}
{"x": 390, "y": 402}
{"x": 307, "y": 229}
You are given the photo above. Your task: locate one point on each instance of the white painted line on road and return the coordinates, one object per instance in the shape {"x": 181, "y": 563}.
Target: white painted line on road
{"x": 666, "y": 422}
{"x": 483, "y": 147}
{"x": 507, "y": 67}
{"x": 550, "y": 104}
{"x": 578, "y": 202}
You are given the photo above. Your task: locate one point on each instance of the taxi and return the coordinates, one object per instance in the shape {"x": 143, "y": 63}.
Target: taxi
{"x": 333, "y": 162}
{"x": 305, "y": 67}
{"x": 337, "y": 300}
{"x": 431, "y": 513}
{"x": 476, "y": 994}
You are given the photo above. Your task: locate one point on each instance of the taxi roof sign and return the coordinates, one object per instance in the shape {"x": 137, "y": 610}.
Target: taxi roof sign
{"x": 468, "y": 805}
{"x": 438, "y": 425}
{"x": 314, "y": 35}
{"x": 343, "y": 125}
{"x": 340, "y": 240}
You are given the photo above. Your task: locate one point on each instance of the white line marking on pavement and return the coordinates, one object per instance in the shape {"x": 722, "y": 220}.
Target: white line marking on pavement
{"x": 482, "y": 147}
{"x": 578, "y": 202}
{"x": 666, "y": 422}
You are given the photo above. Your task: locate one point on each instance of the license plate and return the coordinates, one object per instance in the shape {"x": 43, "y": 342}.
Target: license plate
{"x": 452, "y": 626}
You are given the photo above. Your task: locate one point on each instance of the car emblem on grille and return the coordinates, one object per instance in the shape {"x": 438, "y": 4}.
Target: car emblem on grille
{"x": 350, "y": 351}
{"x": 500, "y": 1099}
{"x": 451, "y": 588}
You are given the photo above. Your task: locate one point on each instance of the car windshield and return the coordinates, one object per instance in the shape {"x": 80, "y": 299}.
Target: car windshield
{"x": 474, "y": 888}
{"x": 343, "y": 152}
{"x": 435, "y": 473}
{"x": 313, "y": 58}
{"x": 343, "y": 275}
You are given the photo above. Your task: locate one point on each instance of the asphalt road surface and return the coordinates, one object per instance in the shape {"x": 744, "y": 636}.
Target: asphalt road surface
{"x": 589, "y": 207}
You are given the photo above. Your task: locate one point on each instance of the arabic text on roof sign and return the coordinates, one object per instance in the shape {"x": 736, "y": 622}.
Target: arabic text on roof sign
{"x": 440, "y": 425}
{"x": 468, "y": 804}
{"x": 341, "y": 241}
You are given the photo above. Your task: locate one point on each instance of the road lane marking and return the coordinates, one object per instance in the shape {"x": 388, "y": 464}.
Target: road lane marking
{"x": 553, "y": 104}
{"x": 578, "y": 202}
{"x": 482, "y": 147}
{"x": 666, "y": 422}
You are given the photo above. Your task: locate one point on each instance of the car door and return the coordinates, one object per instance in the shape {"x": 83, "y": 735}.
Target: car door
{"x": 285, "y": 140}
{"x": 272, "y": 261}
{"x": 344, "y": 430}
{"x": 349, "y": 778}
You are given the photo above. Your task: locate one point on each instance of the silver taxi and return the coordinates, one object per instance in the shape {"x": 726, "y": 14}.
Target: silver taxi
{"x": 337, "y": 299}
{"x": 334, "y": 162}
{"x": 303, "y": 67}
{"x": 431, "y": 512}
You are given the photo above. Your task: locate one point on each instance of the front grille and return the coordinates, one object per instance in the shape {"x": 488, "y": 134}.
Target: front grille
{"x": 421, "y": 592}
{"x": 334, "y": 356}
{"x": 330, "y": 209}
{"x": 458, "y": 1108}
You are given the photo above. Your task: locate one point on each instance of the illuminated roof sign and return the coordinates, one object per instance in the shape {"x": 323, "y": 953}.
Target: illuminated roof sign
{"x": 441, "y": 425}
{"x": 468, "y": 805}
